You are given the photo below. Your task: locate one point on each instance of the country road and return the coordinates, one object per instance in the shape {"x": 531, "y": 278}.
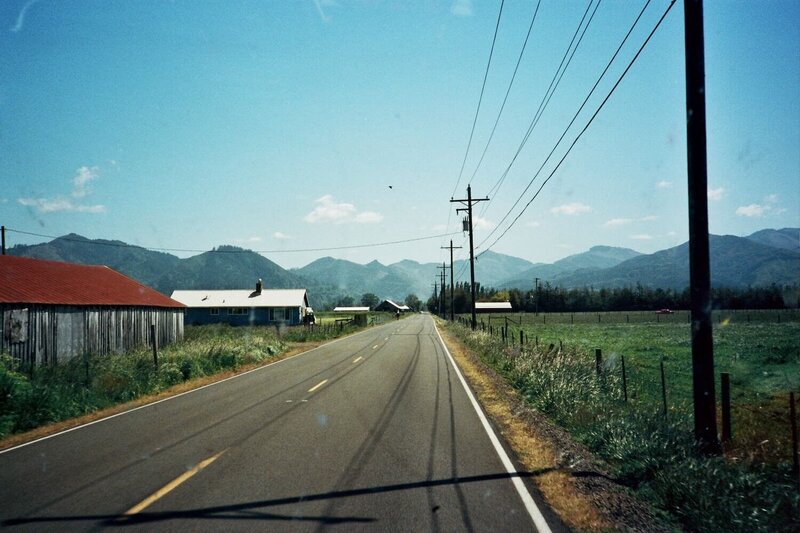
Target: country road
{"x": 374, "y": 431}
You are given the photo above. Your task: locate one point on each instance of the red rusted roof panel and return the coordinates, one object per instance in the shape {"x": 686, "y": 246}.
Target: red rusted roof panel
{"x": 35, "y": 281}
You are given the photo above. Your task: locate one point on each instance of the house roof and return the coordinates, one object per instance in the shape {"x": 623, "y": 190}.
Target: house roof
{"x": 24, "y": 280}
{"x": 350, "y": 309}
{"x": 243, "y": 298}
{"x": 494, "y": 306}
{"x": 401, "y": 307}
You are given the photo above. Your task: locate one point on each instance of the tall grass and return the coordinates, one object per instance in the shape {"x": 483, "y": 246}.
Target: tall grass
{"x": 34, "y": 396}
{"x": 651, "y": 453}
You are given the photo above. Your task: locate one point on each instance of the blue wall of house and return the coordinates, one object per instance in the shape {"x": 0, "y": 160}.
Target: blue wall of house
{"x": 257, "y": 316}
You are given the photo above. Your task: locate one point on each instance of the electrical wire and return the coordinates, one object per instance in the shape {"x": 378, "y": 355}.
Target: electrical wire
{"x": 571, "y": 122}
{"x": 602, "y": 104}
{"x": 187, "y": 250}
{"x": 480, "y": 98}
{"x": 508, "y": 91}
{"x": 554, "y": 82}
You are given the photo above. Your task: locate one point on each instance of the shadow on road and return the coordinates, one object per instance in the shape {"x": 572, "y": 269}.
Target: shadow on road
{"x": 250, "y": 510}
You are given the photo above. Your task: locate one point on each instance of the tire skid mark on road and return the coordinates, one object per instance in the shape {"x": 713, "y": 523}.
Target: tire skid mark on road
{"x": 369, "y": 444}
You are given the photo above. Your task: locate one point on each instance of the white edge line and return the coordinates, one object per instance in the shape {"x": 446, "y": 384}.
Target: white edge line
{"x": 40, "y": 439}
{"x": 522, "y": 490}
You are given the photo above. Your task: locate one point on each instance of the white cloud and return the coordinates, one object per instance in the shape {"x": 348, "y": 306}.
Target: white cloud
{"x": 369, "y": 217}
{"x": 771, "y": 198}
{"x": 533, "y": 224}
{"x": 641, "y": 237}
{"x": 716, "y": 194}
{"x": 649, "y": 218}
{"x": 54, "y": 205}
{"x": 80, "y": 183}
{"x": 672, "y": 233}
{"x": 616, "y": 222}
{"x": 573, "y": 208}
{"x": 16, "y": 28}
{"x": 664, "y": 184}
{"x": 281, "y": 236}
{"x": 338, "y": 213}
{"x": 752, "y": 210}
{"x": 461, "y": 8}
{"x": 80, "y": 189}
{"x": 564, "y": 246}
{"x": 479, "y": 223}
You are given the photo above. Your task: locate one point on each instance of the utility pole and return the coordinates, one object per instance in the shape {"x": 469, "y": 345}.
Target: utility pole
{"x": 436, "y": 290}
{"x": 705, "y": 413}
{"x": 452, "y": 306}
{"x": 537, "y": 295}
{"x": 442, "y": 307}
{"x": 468, "y": 201}
{"x": 3, "y": 231}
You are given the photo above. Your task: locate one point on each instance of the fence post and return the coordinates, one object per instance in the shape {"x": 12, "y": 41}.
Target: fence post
{"x": 598, "y": 360}
{"x": 627, "y": 319}
{"x": 793, "y": 421}
{"x": 598, "y": 318}
{"x": 725, "y": 391}
{"x": 572, "y": 318}
{"x": 520, "y": 338}
{"x": 154, "y": 341}
{"x": 664, "y": 388}
{"x": 624, "y": 379}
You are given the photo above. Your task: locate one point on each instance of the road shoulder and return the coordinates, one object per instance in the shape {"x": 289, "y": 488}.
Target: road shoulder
{"x": 574, "y": 485}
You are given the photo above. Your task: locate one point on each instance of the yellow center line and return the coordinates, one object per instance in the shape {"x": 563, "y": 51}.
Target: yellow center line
{"x": 357, "y": 359}
{"x": 172, "y": 485}
{"x": 318, "y": 385}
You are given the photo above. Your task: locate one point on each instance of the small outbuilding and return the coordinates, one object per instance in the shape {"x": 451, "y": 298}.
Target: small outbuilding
{"x": 493, "y": 307}
{"x": 53, "y": 311}
{"x": 245, "y": 307}
{"x": 392, "y": 307}
{"x": 342, "y": 309}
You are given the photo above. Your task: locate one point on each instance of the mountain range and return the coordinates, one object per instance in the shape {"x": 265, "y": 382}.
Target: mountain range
{"x": 766, "y": 257}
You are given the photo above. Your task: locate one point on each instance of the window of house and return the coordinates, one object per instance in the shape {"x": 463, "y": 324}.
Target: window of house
{"x": 213, "y": 311}
{"x": 237, "y": 310}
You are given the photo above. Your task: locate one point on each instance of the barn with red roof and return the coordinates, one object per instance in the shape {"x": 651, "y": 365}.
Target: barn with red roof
{"x": 53, "y": 311}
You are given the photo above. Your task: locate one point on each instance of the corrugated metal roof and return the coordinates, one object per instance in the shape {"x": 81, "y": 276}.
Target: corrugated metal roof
{"x": 34, "y": 281}
{"x": 401, "y": 307}
{"x": 500, "y": 306}
{"x": 243, "y": 298}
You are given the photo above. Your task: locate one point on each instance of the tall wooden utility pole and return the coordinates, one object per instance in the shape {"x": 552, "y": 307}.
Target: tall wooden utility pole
{"x": 705, "y": 413}
{"x": 436, "y": 292}
{"x": 468, "y": 201}
{"x": 452, "y": 307}
{"x": 442, "y": 306}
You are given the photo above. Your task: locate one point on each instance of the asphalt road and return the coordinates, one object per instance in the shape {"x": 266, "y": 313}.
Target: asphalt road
{"x": 374, "y": 431}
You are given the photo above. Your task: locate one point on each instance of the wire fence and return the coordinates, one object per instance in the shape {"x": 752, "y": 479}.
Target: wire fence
{"x": 759, "y": 423}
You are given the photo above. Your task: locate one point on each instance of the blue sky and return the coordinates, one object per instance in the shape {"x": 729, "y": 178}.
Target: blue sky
{"x": 282, "y": 125}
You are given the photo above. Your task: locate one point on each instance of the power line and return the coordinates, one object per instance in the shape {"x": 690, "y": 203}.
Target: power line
{"x": 480, "y": 98}
{"x": 552, "y": 87}
{"x": 187, "y": 250}
{"x": 508, "y": 91}
{"x": 571, "y": 122}
{"x": 602, "y": 104}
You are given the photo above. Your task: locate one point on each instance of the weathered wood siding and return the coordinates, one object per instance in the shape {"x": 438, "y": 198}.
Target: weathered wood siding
{"x": 47, "y": 334}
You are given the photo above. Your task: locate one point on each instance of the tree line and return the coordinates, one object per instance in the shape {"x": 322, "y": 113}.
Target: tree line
{"x": 549, "y": 299}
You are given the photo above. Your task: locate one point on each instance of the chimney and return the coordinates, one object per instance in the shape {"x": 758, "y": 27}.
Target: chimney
{"x": 258, "y": 286}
